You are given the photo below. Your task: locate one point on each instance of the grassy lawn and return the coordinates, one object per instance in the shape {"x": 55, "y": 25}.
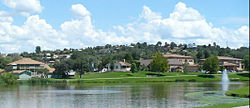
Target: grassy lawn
{"x": 241, "y": 92}
{"x": 128, "y": 77}
{"x": 226, "y": 105}
{"x": 129, "y": 74}
{"x": 239, "y": 76}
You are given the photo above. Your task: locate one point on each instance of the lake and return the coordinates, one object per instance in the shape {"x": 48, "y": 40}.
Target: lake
{"x": 142, "y": 95}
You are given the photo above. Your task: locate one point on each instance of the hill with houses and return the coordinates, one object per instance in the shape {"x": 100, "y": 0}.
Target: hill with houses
{"x": 119, "y": 58}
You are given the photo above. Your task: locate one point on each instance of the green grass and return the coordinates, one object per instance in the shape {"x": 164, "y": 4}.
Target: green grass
{"x": 239, "y": 76}
{"x": 128, "y": 77}
{"x": 241, "y": 92}
{"x": 226, "y": 105}
{"x": 129, "y": 74}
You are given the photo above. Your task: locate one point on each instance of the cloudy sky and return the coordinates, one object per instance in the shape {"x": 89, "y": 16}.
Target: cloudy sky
{"x": 58, "y": 24}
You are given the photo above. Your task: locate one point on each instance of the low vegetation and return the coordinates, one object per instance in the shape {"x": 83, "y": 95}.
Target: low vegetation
{"x": 226, "y": 105}
{"x": 7, "y": 79}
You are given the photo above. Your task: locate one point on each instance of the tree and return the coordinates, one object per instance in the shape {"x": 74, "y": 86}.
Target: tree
{"x": 112, "y": 65}
{"x": 184, "y": 46}
{"x": 128, "y": 57}
{"x": 166, "y": 44}
{"x": 3, "y": 62}
{"x": 172, "y": 45}
{"x": 38, "y": 49}
{"x": 246, "y": 62}
{"x": 199, "y": 55}
{"x": 63, "y": 67}
{"x": 159, "y": 63}
{"x": 186, "y": 67}
{"x": 80, "y": 66}
{"x": 8, "y": 78}
{"x": 158, "y": 43}
{"x": 222, "y": 52}
{"x": 211, "y": 64}
{"x": 44, "y": 72}
{"x": 133, "y": 68}
{"x": 206, "y": 53}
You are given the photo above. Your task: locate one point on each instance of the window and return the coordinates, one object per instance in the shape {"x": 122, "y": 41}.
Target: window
{"x": 116, "y": 67}
{"x": 14, "y": 67}
{"x": 190, "y": 60}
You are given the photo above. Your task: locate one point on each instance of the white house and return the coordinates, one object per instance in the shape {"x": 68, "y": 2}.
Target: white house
{"x": 119, "y": 66}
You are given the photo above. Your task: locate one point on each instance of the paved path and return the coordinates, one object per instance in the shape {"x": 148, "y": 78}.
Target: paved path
{"x": 242, "y": 106}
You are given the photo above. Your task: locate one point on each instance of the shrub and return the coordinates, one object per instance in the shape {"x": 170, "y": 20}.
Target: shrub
{"x": 8, "y": 78}
{"x": 192, "y": 80}
{"x": 206, "y": 76}
{"x": 180, "y": 80}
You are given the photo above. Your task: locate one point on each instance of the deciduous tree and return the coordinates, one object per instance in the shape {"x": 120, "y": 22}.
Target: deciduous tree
{"x": 159, "y": 63}
{"x": 211, "y": 64}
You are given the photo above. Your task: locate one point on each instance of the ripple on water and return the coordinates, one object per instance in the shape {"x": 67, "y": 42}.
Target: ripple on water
{"x": 79, "y": 91}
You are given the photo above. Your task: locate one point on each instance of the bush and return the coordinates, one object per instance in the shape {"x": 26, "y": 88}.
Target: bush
{"x": 206, "y": 76}
{"x": 180, "y": 80}
{"x": 133, "y": 68}
{"x": 154, "y": 74}
{"x": 8, "y": 78}
{"x": 192, "y": 80}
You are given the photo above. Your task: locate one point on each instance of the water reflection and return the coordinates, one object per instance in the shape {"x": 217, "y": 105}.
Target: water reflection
{"x": 170, "y": 95}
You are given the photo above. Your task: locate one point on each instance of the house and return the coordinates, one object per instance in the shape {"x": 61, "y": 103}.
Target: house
{"x": 119, "y": 66}
{"x": 27, "y": 68}
{"x": 176, "y": 62}
{"x": 229, "y": 63}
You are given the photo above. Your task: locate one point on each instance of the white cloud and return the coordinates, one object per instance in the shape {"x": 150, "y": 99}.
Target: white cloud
{"x": 184, "y": 25}
{"x": 79, "y": 10}
{"x": 182, "y": 13}
{"x": 33, "y": 32}
{"x": 149, "y": 15}
{"x": 24, "y": 7}
{"x": 5, "y": 17}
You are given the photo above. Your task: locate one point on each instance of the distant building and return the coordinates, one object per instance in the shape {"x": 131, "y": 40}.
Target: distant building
{"x": 176, "y": 62}
{"x": 3, "y": 55}
{"x": 71, "y": 74}
{"x": 1, "y": 70}
{"x": 231, "y": 64}
{"x": 119, "y": 66}
{"x": 27, "y": 68}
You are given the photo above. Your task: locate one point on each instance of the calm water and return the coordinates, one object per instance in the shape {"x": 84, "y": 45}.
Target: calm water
{"x": 153, "y": 95}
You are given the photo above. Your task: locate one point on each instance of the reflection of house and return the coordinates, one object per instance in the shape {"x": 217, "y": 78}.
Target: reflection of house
{"x": 233, "y": 64}
{"x": 119, "y": 66}
{"x": 27, "y": 68}
{"x": 176, "y": 62}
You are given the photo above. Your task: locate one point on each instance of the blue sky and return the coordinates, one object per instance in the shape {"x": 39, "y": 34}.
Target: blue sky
{"x": 106, "y": 13}
{"x": 118, "y": 20}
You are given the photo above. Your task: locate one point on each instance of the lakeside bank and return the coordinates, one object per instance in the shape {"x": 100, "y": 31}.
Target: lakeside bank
{"x": 139, "y": 77}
